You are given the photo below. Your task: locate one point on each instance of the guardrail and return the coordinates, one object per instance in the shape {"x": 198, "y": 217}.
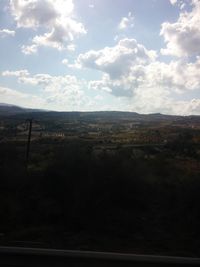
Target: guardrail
{"x": 35, "y": 257}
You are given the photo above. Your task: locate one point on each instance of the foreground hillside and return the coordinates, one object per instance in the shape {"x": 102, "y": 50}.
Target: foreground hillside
{"x": 101, "y": 181}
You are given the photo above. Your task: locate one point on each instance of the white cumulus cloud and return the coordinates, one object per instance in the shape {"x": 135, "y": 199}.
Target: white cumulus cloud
{"x": 17, "y": 73}
{"x": 173, "y": 2}
{"x": 65, "y": 92}
{"x": 126, "y": 22}
{"x": 117, "y": 60}
{"x": 6, "y": 32}
{"x": 131, "y": 71}
{"x": 54, "y": 16}
{"x": 182, "y": 37}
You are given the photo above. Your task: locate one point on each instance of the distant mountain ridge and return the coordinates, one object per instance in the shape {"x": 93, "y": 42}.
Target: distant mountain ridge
{"x": 10, "y": 109}
{"x": 14, "y": 110}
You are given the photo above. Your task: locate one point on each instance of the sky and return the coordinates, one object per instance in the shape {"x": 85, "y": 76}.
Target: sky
{"x": 88, "y": 55}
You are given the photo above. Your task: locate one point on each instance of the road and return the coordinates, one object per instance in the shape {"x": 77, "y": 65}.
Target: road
{"x": 32, "y": 257}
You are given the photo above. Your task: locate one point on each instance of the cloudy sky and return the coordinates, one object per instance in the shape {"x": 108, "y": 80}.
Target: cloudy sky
{"x": 131, "y": 55}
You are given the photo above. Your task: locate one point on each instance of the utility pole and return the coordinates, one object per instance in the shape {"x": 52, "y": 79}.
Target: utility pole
{"x": 30, "y": 121}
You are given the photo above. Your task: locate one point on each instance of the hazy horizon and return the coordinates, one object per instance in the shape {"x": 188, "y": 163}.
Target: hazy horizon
{"x": 91, "y": 111}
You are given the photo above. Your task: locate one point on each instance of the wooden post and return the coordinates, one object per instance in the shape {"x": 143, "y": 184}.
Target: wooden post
{"x": 28, "y": 141}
